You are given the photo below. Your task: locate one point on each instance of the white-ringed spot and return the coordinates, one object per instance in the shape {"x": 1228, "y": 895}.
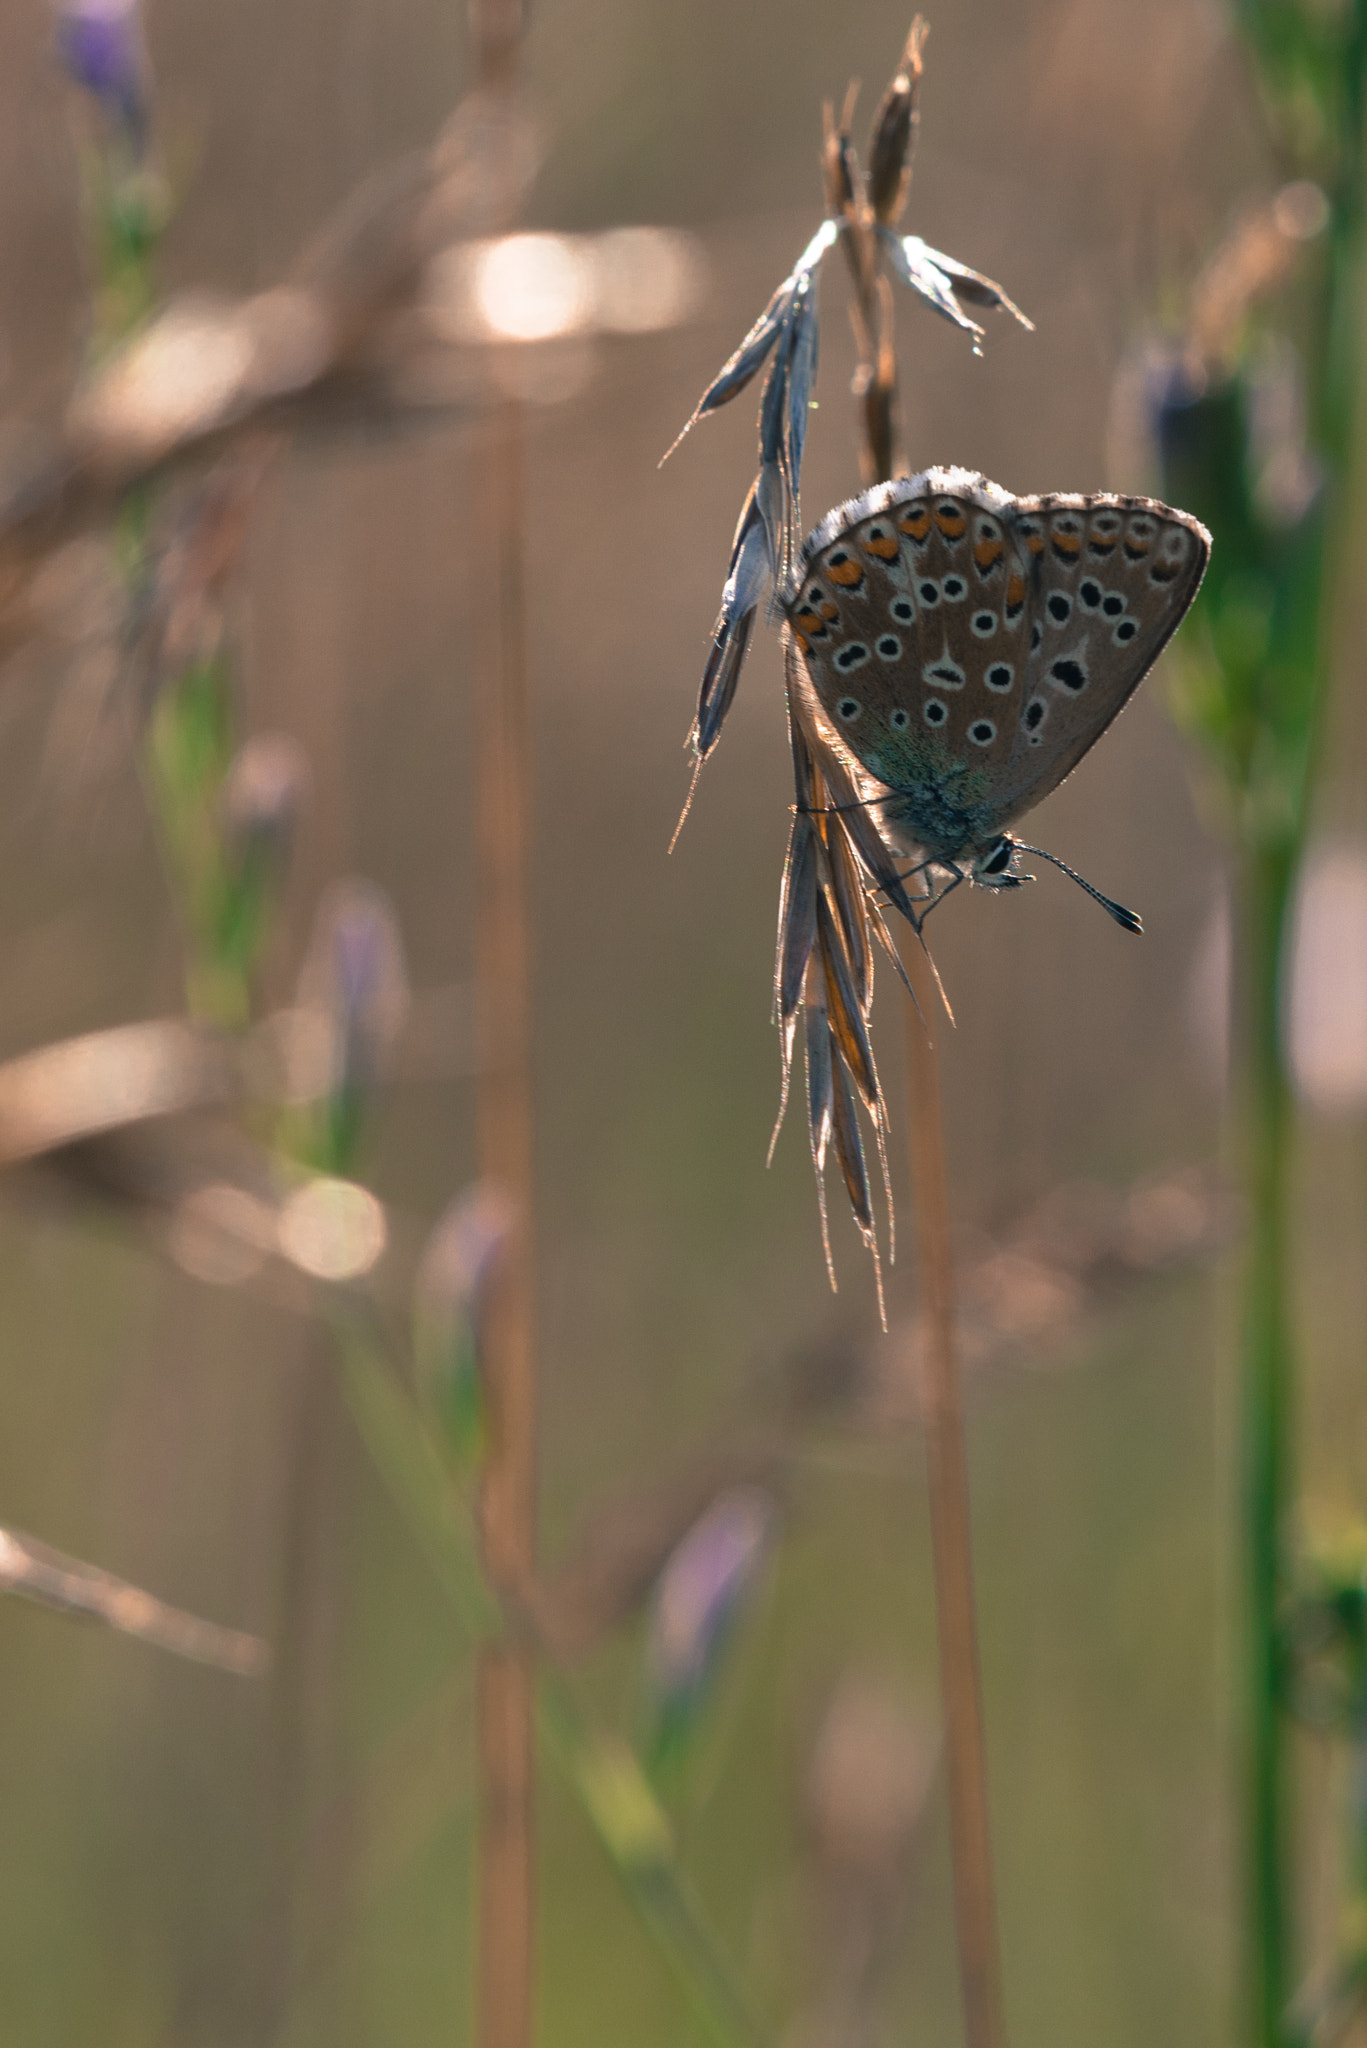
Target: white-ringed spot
{"x": 1125, "y": 632}
{"x": 1069, "y": 674}
{"x": 1113, "y": 604}
{"x": 1059, "y": 606}
{"x": 946, "y": 672}
{"x": 1089, "y": 594}
{"x": 1035, "y": 713}
{"x": 928, "y": 592}
{"x": 954, "y": 588}
{"x": 984, "y": 625}
{"x": 849, "y": 709}
{"x": 982, "y": 732}
{"x": 934, "y": 711}
{"x": 1000, "y": 677}
{"x": 1036, "y": 637}
{"x": 889, "y": 648}
{"x": 900, "y": 719}
{"x": 852, "y": 655}
{"x": 903, "y": 610}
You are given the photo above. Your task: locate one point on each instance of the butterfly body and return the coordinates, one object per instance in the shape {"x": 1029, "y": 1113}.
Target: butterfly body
{"x": 967, "y": 647}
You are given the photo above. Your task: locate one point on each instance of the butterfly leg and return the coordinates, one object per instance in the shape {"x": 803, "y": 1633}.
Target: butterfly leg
{"x": 956, "y": 874}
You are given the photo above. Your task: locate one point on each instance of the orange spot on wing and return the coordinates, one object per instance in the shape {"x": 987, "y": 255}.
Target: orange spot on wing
{"x": 987, "y": 554}
{"x": 829, "y": 612}
{"x": 885, "y": 547}
{"x": 809, "y": 622}
{"x": 1035, "y": 543}
{"x": 801, "y": 641}
{"x": 1069, "y": 545}
{"x": 1015, "y": 594}
{"x": 952, "y": 524}
{"x": 915, "y": 522}
{"x": 846, "y": 573}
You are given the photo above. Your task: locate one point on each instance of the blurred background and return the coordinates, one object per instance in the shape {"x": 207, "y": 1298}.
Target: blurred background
{"x": 193, "y": 1858}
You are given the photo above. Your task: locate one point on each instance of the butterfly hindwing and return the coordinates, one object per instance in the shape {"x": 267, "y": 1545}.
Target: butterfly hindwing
{"x": 912, "y": 616}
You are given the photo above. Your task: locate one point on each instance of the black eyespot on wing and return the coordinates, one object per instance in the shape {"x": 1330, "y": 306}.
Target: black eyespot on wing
{"x": 928, "y": 592}
{"x": 1059, "y": 607}
{"x": 1068, "y": 674}
{"x": 851, "y": 655}
{"x": 934, "y": 712}
{"x": 984, "y": 624}
{"x": 1000, "y": 676}
{"x": 1125, "y": 631}
{"x": 954, "y": 588}
{"x": 903, "y": 610}
{"x": 849, "y": 709}
{"x": 1036, "y": 636}
{"x": 982, "y": 732}
{"x": 888, "y": 648}
{"x": 1089, "y": 594}
{"x": 1113, "y": 604}
{"x": 1035, "y": 713}
{"x": 900, "y": 718}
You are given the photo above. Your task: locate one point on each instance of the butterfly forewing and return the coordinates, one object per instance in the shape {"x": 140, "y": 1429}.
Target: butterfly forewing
{"x": 1111, "y": 579}
{"x": 912, "y": 615}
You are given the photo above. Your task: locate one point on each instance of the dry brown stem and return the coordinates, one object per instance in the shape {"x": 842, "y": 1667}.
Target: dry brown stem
{"x": 348, "y": 335}
{"x": 507, "y": 1508}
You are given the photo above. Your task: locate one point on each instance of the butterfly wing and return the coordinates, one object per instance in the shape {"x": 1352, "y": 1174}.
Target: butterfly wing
{"x": 1111, "y": 580}
{"x": 912, "y": 613}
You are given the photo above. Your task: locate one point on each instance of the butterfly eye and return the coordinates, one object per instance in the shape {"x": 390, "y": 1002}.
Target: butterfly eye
{"x": 982, "y": 732}
{"x": 849, "y": 709}
{"x": 1000, "y": 676}
{"x": 900, "y": 719}
{"x": 934, "y": 712}
{"x": 984, "y": 624}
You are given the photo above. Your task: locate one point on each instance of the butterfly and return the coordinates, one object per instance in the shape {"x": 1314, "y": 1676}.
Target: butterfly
{"x": 968, "y": 647}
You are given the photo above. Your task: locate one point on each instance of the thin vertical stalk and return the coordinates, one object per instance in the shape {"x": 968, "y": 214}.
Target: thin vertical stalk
{"x": 975, "y": 1910}
{"x": 506, "y": 1703}
{"x": 507, "y": 1505}
{"x": 1267, "y": 1425}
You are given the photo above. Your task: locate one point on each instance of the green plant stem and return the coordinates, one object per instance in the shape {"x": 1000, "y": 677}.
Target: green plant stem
{"x": 600, "y": 1771}
{"x": 1267, "y": 1423}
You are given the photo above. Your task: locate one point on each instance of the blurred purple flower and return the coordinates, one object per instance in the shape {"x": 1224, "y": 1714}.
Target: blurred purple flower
{"x": 101, "y": 47}
{"x": 450, "y": 1298}
{"x": 699, "y": 1592}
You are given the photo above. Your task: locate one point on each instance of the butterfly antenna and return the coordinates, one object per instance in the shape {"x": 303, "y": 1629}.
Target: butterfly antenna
{"x": 1128, "y": 920}
{"x": 688, "y": 803}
